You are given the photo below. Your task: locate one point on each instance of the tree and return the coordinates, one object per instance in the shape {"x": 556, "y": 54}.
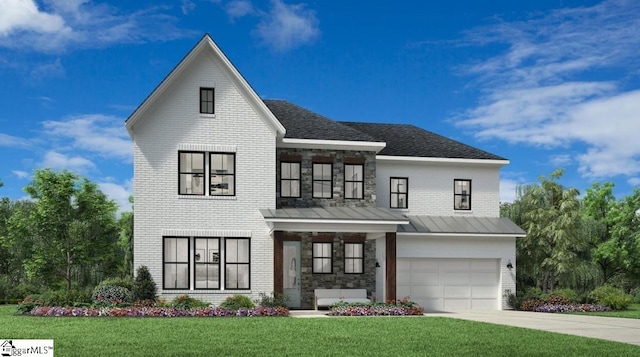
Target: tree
{"x": 144, "y": 288}
{"x": 72, "y": 226}
{"x": 125, "y": 242}
{"x": 550, "y": 214}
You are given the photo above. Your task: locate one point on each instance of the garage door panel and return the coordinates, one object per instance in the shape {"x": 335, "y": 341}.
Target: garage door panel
{"x": 449, "y": 284}
{"x": 483, "y": 292}
{"x": 484, "y": 278}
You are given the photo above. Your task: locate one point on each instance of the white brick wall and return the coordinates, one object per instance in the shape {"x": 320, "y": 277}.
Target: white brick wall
{"x": 175, "y": 122}
{"x": 431, "y": 187}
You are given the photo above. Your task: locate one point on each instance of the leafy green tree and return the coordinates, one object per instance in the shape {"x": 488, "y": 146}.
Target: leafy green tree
{"x": 72, "y": 226}
{"x": 624, "y": 222}
{"x": 550, "y": 213}
{"x": 125, "y": 242}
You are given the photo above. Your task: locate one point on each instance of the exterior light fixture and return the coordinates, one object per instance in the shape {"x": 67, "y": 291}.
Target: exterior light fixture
{"x": 509, "y": 265}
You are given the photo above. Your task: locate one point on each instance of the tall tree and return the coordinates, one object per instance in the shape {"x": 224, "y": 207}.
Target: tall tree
{"x": 73, "y": 226}
{"x": 550, "y": 214}
{"x": 125, "y": 242}
{"x": 598, "y": 203}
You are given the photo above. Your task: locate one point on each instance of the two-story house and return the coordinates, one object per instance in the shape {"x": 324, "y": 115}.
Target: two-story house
{"x": 235, "y": 194}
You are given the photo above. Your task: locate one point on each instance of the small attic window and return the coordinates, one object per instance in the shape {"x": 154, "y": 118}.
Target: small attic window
{"x": 207, "y": 100}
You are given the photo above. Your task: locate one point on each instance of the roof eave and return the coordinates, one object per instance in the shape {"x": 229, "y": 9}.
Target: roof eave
{"x": 442, "y": 160}
{"x": 331, "y": 144}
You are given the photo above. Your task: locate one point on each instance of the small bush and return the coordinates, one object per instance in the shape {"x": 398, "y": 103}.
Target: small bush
{"x": 109, "y": 295}
{"x": 613, "y": 297}
{"x": 272, "y": 300}
{"x": 531, "y": 304}
{"x": 554, "y": 299}
{"x": 187, "y": 302}
{"x": 237, "y": 301}
{"x": 635, "y": 292}
{"x": 570, "y": 295}
{"x": 124, "y": 282}
{"x": 144, "y": 288}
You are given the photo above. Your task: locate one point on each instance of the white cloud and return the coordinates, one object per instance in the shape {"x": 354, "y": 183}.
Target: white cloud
{"x": 24, "y": 15}
{"x": 21, "y": 174}
{"x": 95, "y": 133}
{"x": 634, "y": 181}
{"x": 561, "y": 82}
{"x": 561, "y": 160}
{"x": 118, "y": 193}
{"x": 59, "y": 161}
{"x": 239, "y": 8}
{"x": 81, "y": 23}
{"x": 13, "y": 141}
{"x": 508, "y": 190}
{"x": 187, "y": 6}
{"x": 287, "y": 26}
{"x": 49, "y": 70}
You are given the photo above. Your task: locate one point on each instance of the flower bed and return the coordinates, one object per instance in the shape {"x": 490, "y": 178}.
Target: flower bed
{"x": 150, "y": 311}
{"x": 403, "y": 307}
{"x": 553, "y": 308}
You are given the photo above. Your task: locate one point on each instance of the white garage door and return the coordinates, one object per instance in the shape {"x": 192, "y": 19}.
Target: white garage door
{"x": 449, "y": 284}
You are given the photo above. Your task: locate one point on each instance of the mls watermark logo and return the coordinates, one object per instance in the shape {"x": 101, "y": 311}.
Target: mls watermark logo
{"x": 11, "y": 348}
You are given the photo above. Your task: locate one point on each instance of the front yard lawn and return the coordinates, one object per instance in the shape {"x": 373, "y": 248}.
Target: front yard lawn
{"x": 288, "y": 336}
{"x": 632, "y": 313}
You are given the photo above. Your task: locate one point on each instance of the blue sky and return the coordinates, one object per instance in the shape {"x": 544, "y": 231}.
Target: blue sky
{"x": 546, "y": 84}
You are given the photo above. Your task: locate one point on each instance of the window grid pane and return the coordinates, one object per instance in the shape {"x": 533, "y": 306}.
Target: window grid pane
{"x": 290, "y": 179}
{"x": 462, "y": 194}
{"x": 354, "y": 258}
{"x": 322, "y": 180}
{"x": 353, "y": 181}
{"x": 398, "y": 192}
{"x": 176, "y": 263}
{"x": 206, "y": 100}
{"x": 322, "y": 258}
{"x": 207, "y": 263}
{"x": 191, "y": 173}
{"x": 222, "y": 173}
{"x": 237, "y": 263}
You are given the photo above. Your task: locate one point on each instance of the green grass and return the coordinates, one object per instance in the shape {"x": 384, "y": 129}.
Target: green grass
{"x": 349, "y": 336}
{"x": 632, "y": 313}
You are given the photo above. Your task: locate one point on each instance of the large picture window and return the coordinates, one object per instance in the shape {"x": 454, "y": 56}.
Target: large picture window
{"x": 289, "y": 179}
{"x": 322, "y": 258}
{"x": 207, "y": 100}
{"x": 462, "y": 194}
{"x": 207, "y": 263}
{"x": 354, "y": 258}
{"x": 176, "y": 263}
{"x": 237, "y": 263}
{"x": 322, "y": 180}
{"x": 353, "y": 181}
{"x": 222, "y": 173}
{"x": 399, "y": 192}
{"x": 191, "y": 173}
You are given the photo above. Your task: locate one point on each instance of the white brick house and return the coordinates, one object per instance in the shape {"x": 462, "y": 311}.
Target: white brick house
{"x": 234, "y": 194}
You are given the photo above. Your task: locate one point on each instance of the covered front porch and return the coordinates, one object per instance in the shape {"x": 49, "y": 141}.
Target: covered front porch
{"x": 332, "y": 248}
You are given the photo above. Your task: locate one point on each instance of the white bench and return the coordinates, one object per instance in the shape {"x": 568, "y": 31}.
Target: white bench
{"x": 328, "y": 297}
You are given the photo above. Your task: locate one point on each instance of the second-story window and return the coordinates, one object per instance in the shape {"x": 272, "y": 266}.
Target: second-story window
{"x": 207, "y": 101}
{"x": 322, "y": 180}
{"x": 353, "y": 181}
{"x": 191, "y": 172}
{"x": 289, "y": 179}
{"x": 223, "y": 176}
{"x": 399, "y": 190}
{"x": 461, "y": 194}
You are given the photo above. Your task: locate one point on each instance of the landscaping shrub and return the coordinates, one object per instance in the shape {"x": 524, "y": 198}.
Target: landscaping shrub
{"x": 187, "y": 302}
{"x": 124, "y": 282}
{"x": 531, "y": 304}
{"x": 111, "y": 295}
{"x": 272, "y": 300}
{"x": 554, "y": 299}
{"x": 612, "y": 297}
{"x": 236, "y": 302}
{"x": 635, "y": 292}
{"x": 156, "y": 312}
{"x": 570, "y": 295}
{"x": 571, "y": 308}
{"x": 144, "y": 288}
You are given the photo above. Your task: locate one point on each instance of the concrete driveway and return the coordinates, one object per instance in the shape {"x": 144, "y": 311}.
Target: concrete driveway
{"x": 606, "y": 328}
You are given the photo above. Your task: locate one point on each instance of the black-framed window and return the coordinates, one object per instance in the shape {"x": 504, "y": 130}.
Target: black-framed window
{"x": 399, "y": 188}
{"x": 322, "y": 258}
{"x": 322, "y": 180}
{"x": 207, "y": 263}
{"x": 207, "y": 102}
{"x": 289, "y": 179}
{"x": 237, "y": 263}
{"x": 222, "y": 168}
{"x": 175, "y": 263}
{"x": 461, "y": 194}
{"x": 191, "y": 180}
{"x": 353, "y": 181}
{"x": 354, "y": 258}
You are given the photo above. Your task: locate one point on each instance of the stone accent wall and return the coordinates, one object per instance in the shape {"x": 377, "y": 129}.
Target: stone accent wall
{"x": 338, "y": 279}
{"x": 306, "y": 184}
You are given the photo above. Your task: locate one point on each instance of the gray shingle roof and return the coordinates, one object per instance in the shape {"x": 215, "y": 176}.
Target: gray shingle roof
{"x": 461, "y": 225}
{"x": 305, "y": 124}
{"x": 409, "y": 140}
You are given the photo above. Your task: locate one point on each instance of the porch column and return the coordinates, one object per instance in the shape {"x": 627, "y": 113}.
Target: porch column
{"x": 390, "y": 266}
{"x": 277, "y": 262}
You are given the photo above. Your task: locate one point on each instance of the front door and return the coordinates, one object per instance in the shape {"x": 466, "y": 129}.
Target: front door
{"x": 291, "y": 272}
